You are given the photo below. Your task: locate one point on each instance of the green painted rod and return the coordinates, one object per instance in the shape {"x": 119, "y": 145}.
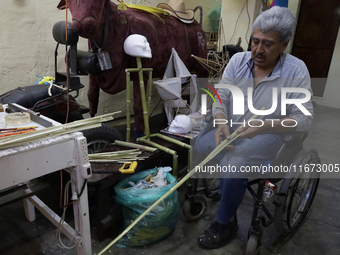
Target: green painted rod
{"x": 128, "y": 107}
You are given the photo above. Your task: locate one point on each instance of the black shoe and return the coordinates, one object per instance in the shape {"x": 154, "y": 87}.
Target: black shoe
{"x": 218, "y": 234}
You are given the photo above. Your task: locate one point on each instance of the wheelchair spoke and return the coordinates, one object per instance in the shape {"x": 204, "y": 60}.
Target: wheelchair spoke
{"x": 299, "y": 193}
{"x": 301, "y": 199}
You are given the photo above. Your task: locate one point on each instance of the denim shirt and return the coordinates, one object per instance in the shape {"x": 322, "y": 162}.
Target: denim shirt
{"x": 289, "y": 72}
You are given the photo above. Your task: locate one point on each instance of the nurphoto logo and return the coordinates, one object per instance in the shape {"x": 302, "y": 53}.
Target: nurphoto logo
{"x": 238, "y": 102}
{"x": 204, "y": 98}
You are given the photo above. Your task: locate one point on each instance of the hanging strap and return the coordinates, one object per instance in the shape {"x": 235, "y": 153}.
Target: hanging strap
{"x": 94, "y": 45}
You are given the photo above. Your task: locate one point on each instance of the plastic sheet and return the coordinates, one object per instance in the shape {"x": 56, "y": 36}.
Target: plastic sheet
{"x": 214, "y": 17}
{"x": 160, "y": 222}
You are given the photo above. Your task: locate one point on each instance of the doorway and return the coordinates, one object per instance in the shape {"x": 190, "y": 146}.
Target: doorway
{"x": 315, "y": 37}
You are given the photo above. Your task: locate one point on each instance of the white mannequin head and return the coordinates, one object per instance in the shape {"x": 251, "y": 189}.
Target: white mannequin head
{"x": 181, "y": 124}
{"x": 137, "y": 46}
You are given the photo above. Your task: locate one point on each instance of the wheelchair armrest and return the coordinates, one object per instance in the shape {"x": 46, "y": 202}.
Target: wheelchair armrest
{"x": 294, "y": 137}
{"x": 292, "y": 143}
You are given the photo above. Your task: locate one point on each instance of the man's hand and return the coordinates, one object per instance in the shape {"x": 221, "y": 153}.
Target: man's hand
{"x": 221, "y": 134}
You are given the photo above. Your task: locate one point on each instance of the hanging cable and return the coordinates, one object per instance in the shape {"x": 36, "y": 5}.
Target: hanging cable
{"x": 62, "y": 220}
{"x": 246, "y": 36}
{"x": 67, "y": 70}
{"x": 68, "y": 102}
{"x": 237, "y": 22}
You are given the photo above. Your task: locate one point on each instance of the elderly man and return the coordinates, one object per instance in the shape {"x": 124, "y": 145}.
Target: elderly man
{"x": 261, "y": 72}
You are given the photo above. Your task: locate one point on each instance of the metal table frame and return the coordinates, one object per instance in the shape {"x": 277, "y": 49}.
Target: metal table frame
{"x": 24, "y": 163}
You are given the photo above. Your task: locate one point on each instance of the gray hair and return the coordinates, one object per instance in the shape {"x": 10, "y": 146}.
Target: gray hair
{"x": 279, "y": 19}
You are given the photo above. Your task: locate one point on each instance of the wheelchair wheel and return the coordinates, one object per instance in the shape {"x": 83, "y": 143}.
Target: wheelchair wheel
{"x": 299, "y": 190}
{"x": 253, "y": 245}
{"x": 194, "y": 210}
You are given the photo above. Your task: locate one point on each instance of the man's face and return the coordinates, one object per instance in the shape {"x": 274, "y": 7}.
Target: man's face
{"x": 266, "y": 49}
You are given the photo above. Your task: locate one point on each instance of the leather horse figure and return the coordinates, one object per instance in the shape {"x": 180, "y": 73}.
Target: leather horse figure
{"x": 163, "y": 33}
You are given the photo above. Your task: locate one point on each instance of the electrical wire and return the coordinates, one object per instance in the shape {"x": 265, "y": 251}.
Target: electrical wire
{"x": 61, "y": 192}
{"x": 67, "y": 69}
{"x": 68, "y": 105}
{"x": 62, "y": 220}
{"x": 82, "y": 189}
{"x": 61, "y": 189}
{"x": 61, "y": 171}
{"x": 246, "y": 36}
{"x": 237, "y": 22}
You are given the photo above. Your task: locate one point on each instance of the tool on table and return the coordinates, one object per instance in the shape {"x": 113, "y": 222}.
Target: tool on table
{"x": 19, "y": 128}
{"x": 15, "y": 131}
{"x": 128, "y": 167}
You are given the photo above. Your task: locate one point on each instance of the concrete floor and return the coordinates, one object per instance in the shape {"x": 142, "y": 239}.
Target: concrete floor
{"x": 320, "y": 233}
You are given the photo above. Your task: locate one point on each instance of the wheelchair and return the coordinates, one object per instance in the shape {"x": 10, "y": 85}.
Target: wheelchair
{"x": 292, "y": 201}
{"x": 295, "y": 196}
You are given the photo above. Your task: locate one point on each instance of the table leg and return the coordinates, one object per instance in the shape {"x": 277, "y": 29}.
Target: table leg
{"x": 29, "y": 210}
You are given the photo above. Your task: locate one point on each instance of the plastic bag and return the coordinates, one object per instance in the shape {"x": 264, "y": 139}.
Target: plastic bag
{"x": 214, "y": 17}
{"x": 159, "y": 222}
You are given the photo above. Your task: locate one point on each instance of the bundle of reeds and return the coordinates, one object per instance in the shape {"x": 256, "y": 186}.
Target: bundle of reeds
{"x": 20, "y": 139}
{"x": 114, "y": 156}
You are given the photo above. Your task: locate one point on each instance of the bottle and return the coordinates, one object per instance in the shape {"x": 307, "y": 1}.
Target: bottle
{"x": 269, "y": 192}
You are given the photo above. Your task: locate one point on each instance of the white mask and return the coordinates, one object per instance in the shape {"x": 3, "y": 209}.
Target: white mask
{"x": 181, "y": 124}
{"x": 137, "y": 46}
